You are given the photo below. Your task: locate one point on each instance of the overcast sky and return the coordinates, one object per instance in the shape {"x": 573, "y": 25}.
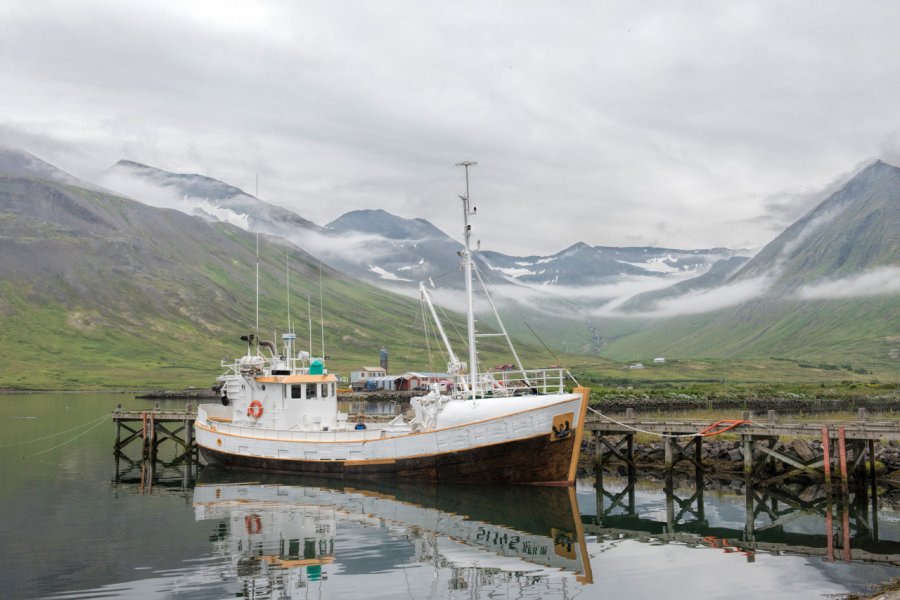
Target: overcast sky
{"x": 681, "y": 124}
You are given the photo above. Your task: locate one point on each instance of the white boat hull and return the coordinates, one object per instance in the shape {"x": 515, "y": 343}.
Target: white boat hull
{"x": 539, "y": 443}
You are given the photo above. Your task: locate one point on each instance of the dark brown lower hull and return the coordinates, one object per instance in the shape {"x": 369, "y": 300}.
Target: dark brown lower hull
{"x": 532, "y": 460}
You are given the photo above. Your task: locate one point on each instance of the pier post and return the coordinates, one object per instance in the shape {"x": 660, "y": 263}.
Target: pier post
{"x": 826, "y": 458}
{"x": 143, "y": 434}
{"x": 842, "y": 451}
{"x": 829, "y": 527}
{"x": 598, "y": 468}
{"x": 118, "y": 429}
{"x": 667, "y": 449}
{"x": 748, "y": 456}
{"x": 750, "y": 524}
{"x": 629, "y": 441}
{"x": 845, "y": 526}
{"x": 873, "y": 489}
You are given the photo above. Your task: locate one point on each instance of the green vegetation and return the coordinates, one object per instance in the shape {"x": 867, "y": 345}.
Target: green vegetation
{"x": 704, "y": 382}
{"x": 113, "y": 294}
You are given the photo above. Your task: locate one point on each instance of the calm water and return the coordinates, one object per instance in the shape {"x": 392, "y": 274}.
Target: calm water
{"x": 70, "y": 530}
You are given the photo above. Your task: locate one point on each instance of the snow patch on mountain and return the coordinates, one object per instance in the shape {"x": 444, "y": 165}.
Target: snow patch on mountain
{"x": 657, "y": 265}
{"x": 211, "y": 211}
{"x": 513, "y": 272}
{"x": 386, "y": 275}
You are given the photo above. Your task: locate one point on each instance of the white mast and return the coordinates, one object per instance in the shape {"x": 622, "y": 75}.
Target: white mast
{"x": 467, "y": 265}
{"x": 257, "y": 264}
{"x": 454, "y": 367}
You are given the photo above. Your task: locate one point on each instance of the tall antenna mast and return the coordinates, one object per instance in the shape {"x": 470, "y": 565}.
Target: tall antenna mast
{"x": 287, "y": 279}
{"x": 322, "y": 311}
{"x": 309, "y": 319}
{"x": 257, "y": 259}
{"x": 467, "y": 265}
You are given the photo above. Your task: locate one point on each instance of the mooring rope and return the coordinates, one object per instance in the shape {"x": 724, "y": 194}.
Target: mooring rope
{"x": 83, "y": 433}
{"x": 662, "y": 435}
{"x": 52, "y": 435}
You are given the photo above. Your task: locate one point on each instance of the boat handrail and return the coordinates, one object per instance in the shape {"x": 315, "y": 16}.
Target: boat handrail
{"x": 512, "y": 382}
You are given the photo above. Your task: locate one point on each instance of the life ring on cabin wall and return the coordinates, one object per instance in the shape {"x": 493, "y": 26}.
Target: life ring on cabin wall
{"x": 253, "y": 524}
{"x": 255, "y": 409}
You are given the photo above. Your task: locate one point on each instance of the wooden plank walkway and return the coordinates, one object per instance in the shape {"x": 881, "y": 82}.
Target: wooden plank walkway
{"x": 882, "y": 429}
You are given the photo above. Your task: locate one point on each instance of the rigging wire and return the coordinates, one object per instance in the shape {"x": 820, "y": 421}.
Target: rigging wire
{"x": 553, "y": 354}
{"x": 52, "y": 435}
{"x": 452, "y": 326}
{"x": 704, "y": 433}
{"x": 83, "y": 433}
{"x": 427, "y": 336}
{"x": 434, "y": 332}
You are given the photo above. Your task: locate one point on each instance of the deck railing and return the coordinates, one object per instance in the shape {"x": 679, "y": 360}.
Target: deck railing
{"x": 515, "y": 383}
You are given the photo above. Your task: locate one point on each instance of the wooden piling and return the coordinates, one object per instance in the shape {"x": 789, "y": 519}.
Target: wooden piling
{"x": 845, "y": 528}
{"x": 826, "y": 458}
{"x": 748, "y": 455}
{"x": 842, "y": 450}
{"x": 630, "y": 450}
{"x": 668, "y": 454}
{"x": 829, "y": 527}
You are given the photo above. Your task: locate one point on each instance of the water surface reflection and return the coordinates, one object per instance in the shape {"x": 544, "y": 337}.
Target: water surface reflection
{"x": 287, "y": 537}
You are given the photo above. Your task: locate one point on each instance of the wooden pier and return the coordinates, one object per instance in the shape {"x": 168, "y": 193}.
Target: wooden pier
{"x": 847, "y": 446}
{"x": 152, "y": 427}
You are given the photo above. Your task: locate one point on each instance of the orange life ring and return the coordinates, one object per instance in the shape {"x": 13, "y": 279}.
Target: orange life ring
{"x": 253, "y": 523}
{"x": 255, "y": 409}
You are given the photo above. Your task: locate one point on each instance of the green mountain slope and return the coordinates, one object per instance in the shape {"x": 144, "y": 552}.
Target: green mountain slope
{"x": 100, "y": 291}
{"x": 855, "y": 229}
{"x": 857, "y": 331}
{"x": 853, "y": 232}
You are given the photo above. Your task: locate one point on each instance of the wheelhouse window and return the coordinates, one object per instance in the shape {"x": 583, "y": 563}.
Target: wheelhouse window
{"x": 296, "y": 391}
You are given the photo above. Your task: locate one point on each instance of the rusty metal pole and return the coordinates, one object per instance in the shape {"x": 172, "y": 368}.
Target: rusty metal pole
{"x": 845, "y": 496}
{"x": 842, "y": 450}
{"x": 826, "y": 458}
{"x": 829, "y": 528}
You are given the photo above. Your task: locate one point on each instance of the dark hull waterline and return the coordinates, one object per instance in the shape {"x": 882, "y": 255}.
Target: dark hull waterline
{"x": 538, "y": 460}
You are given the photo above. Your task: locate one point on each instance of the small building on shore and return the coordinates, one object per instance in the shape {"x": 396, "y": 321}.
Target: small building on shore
{"x": 359, "y": 379}
{"x": 416, "y": 381}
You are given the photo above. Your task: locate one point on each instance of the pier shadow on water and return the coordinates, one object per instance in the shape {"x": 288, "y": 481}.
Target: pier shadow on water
{"x": 814, "y": 520}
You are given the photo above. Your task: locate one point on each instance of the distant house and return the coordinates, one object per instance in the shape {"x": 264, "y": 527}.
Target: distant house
{"x": 424, "y": 381}
{"x": 636, "y": 366}
{"x": 385, "y": 382}
{"x": 358, "y": 379}
{"x": 659, "y": 360}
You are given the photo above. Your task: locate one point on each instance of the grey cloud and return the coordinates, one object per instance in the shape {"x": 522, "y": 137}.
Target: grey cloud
{"x": 594, "y": 121}
{"x": 877, "y": 282}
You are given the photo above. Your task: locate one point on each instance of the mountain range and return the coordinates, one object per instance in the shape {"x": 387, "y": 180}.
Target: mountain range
{"x": 383, "y": 248}
{"x": 114, "y": 284}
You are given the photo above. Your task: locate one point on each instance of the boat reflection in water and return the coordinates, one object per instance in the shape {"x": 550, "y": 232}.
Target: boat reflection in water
{"x": 289, "y": 537}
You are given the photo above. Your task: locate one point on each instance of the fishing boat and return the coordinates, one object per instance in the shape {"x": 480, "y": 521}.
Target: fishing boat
{"x": 279, "y": 412}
